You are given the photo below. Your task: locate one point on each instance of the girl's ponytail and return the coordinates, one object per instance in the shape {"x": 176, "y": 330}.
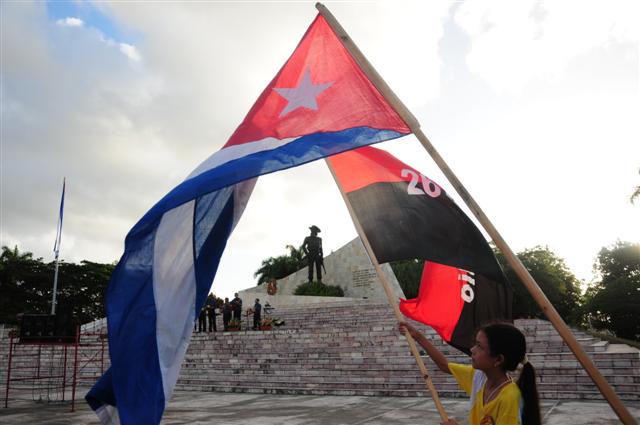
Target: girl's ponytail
{"x": 509, "y": 341}
{"x": 529, "y": 390}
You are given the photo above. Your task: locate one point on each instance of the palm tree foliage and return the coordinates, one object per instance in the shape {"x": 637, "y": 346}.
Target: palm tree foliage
{"x": 281, "y": 266}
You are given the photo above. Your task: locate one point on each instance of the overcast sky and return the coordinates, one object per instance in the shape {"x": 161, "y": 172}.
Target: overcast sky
{"x": 534, "y": 105}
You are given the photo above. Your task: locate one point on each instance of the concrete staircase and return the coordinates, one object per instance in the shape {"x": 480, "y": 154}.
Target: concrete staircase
{"x": 354, "y": 349}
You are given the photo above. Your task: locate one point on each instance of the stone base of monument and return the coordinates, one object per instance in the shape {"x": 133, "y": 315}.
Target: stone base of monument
{"x": 290, "y": 300}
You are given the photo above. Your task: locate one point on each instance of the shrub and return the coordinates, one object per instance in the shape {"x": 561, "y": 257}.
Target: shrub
{"x": 319, "y": 289}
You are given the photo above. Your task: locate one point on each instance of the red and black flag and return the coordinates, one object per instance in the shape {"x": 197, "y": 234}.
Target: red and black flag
{"x": 406, "y": 215}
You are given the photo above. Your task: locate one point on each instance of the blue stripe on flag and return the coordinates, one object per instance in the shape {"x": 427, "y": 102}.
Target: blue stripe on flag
{"x": 132, "y": 337}
{"x": 304, "y": 149}
{"x": 213, "y": 225}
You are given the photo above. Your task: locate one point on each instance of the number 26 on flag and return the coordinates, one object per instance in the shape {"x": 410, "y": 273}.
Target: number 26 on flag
{"x": 428, "y": 186}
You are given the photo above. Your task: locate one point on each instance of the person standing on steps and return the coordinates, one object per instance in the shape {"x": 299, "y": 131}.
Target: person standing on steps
{"x": 211, "y": 312}
{"x": 236, "y": 304}
{"x": 226, "y": 314}
{"x": 257, "y": 312}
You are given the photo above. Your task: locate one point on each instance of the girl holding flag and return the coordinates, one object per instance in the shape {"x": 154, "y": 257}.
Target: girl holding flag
{"x": 496, "y": 399}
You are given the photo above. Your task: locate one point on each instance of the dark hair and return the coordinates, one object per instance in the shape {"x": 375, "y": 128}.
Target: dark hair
{"x": 507, "y": 340}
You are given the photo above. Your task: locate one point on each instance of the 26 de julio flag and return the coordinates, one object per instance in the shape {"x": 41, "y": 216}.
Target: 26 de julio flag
{"x": 406, "y": 215}
{"x": 456, "y": 302}
{"x": 320, "y": 103}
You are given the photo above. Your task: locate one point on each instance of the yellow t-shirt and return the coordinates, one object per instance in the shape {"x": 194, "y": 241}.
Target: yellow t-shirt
{"x": 505, "y": 409}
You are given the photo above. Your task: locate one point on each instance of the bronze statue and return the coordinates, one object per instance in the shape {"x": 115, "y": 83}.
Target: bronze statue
{"x": 312, "y": 247}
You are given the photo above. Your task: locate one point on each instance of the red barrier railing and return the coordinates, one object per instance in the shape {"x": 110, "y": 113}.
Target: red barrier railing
{"x": 48, "y": 369}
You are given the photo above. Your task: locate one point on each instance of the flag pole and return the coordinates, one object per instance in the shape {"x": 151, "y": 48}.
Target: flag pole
{"x": 391, "y": 298}
{"x": 55, "y": 288}
{"x": 526, "y": 278}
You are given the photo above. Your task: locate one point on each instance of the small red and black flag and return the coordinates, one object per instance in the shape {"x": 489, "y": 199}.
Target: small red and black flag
{"x": 406, "y": 215}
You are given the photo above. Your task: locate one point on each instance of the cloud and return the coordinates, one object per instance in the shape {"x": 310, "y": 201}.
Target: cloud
{"x": 514, "y": 43}
{"x": 70, "y": 22}
{"x": 70, "y": 109}
{"x": 130, "y": 51}
{"x": 126, "y": 122}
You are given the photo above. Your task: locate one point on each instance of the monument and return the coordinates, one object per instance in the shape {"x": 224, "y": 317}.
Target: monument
{"x": 312, "y": 248}
{"x": 349, "y": 267}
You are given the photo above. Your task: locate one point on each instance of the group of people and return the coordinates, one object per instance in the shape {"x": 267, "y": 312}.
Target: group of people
{"x": 207, "y": 315}
{"x": 230, "y": 310}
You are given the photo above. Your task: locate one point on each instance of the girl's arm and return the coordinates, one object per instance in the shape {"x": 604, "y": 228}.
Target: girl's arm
{"x": 438, "y": 358}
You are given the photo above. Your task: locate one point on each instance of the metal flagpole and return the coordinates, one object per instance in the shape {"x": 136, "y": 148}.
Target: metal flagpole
{"x": 55, "y": 288}
{"x": 526, "y": 278}
{"x": 56, "y": 247}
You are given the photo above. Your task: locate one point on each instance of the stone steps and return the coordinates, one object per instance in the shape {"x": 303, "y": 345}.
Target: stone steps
{"x": 354, "y": 348}
{"x": 414, "y": 382}
{"x": 369, "y": 335}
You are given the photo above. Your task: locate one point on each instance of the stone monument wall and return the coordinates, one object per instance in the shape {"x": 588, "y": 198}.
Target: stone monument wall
{"x": 349, "y": 267}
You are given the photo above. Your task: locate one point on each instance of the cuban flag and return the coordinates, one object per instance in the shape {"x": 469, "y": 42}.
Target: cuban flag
{"x": 319, "y": 104}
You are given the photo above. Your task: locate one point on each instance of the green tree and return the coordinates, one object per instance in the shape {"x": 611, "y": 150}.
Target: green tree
{"x": 549, "y": 270}
{"x": 26, "y": 286}
{"x": 612, "y": 303}
{"x": 11, "y": 255}
{"x": 20, "y": 281}
{"x": 554, "y": 278}
{"x": 618, "y": 261}
{"x": 281, "y": 266}
{"x": 408, "y": 273}
{"x": 83, "y": 288}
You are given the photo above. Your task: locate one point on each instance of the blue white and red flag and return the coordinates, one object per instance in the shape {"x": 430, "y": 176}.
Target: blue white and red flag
{"x": 320, "y": 103}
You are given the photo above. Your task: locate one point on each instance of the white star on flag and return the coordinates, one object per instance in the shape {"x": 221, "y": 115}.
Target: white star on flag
{"x": 303, "y": 96}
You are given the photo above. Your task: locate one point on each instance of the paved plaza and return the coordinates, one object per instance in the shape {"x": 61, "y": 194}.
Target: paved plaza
{"x": 267, "y": 409}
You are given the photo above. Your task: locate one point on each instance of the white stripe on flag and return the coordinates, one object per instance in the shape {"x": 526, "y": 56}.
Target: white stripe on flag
{"x": 241, "y": 194}
{"x": 108, "y": 415}
{"x": 225, "y": 155}
{"x": 174, "y": 289}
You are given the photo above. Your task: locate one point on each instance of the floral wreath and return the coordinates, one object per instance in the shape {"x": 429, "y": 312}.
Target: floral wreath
{"x": 272, "y": 287}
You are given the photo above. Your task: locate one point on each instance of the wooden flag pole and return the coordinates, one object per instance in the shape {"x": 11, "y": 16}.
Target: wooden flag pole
{"x": 526, "y": 278}
{"x": 392, "y": 298}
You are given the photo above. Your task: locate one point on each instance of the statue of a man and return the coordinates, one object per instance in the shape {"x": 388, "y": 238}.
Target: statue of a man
{"x": 312, "y": 247}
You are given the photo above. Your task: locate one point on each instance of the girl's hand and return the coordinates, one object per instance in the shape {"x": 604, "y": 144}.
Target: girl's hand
{"x": 450, "y": 422}
{"x": 404, "y": 327}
